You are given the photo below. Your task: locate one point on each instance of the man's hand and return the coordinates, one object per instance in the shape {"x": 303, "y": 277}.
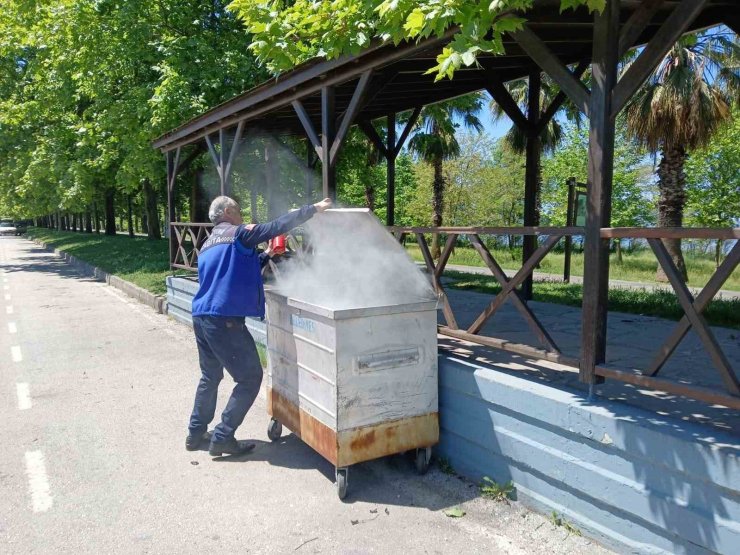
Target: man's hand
{"x": 323, "y": 205}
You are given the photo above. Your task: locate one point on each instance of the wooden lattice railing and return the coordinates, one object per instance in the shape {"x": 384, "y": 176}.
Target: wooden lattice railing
{"x": 692, "y": 318}
{"x": 186, "y": 240}
{"x": 549, "y": 350}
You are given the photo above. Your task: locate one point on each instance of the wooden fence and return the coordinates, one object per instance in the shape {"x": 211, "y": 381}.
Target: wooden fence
{"x": 187, "y": 238}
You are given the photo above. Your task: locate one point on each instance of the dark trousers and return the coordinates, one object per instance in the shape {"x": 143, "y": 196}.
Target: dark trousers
{"x": 224, "y": 343}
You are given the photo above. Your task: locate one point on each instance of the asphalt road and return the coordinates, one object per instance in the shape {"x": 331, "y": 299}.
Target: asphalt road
{"x": 95, "y": 393}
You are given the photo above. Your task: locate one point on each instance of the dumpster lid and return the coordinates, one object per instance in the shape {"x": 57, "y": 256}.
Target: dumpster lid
{"x": 354, "y": 263}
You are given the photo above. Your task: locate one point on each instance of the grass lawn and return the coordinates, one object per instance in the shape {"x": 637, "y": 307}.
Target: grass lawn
{"x": 138, "y": 260}
{"x": 145, "y": 263}
{"x": 637, "y": 266}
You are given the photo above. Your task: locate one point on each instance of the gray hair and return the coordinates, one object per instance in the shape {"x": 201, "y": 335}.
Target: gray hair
{"x": 218, "y": 208}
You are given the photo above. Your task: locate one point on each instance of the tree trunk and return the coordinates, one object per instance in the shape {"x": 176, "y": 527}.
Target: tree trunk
{"x": 671, "y": 184}
{"x": 370, "y": 196}
{"x": 438, "y": 188}
{"x": 110, "y": 212}
{"x": 96, "y": 217}
{"x": 718, "y": 252}
{"x": 152, "y": 215}
{"x": 130, "y": 218}
{"x": 88, "y": 222}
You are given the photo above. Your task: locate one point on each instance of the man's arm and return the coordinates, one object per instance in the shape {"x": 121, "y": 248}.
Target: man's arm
{"x": 251, "y": 236}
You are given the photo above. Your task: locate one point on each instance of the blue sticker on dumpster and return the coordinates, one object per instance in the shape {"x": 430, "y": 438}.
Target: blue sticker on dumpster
{"x": 303, "y": 323}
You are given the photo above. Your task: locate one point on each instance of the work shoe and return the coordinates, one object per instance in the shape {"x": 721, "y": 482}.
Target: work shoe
{"x": 193, "y": 443}
{"x": 230, "y": 447}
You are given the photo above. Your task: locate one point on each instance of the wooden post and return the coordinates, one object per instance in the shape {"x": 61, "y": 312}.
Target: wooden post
{"x": 569, "y": 222}
{"x": 600, "y": 173}
{"x": 328, "y": 117}
{"x": 390, "y": 213}
{"x": 532, "y": 175}
{"x": 310, "y": 154}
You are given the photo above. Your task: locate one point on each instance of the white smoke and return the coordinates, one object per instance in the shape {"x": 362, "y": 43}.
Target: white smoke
{"x": 352, "y": 262}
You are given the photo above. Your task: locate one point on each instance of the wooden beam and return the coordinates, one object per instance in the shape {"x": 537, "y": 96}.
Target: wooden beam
{"x": 705, "y": 394}
{"x": 531, "y": 173}
{"x": 369, "y": 130}
{"x": 214, "y": 155}
{"x": 697, "y": 321}
{"x": 600, "y": 175}
{"x": 502, "y": 97}
{"x": 328, "y": 114}
{"x": 557, "y": 102}
{"x": 519, "y": 303}
{"x": 222, "y": 159}
{"x": 427, "y": 255}
{"x": 541, "y": 54}
{"x": 636, "y": 24}
{"x": 305, "y": 120}
{"x": 355, "y": 104}
{"x": 700, "y": 303}
{"x": 727, "y": 233}
{"x": 481, "y": 230}
{"x": 406, "y": 130}
{"x": 656, "y": 49}
{"x": 232, "y": 155}
{"x": 515, "y": 281}
{"x": 390, "y": 207}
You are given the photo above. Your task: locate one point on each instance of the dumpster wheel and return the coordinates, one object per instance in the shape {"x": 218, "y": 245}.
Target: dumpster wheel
{"x": 423, "y": 456}
{"x": 274, "y": 430}
{"x": 342, "y": 480}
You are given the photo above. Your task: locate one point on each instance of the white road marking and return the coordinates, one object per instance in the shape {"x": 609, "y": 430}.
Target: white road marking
{"x": 9, "y": 309}
{"x": 38, "y": 483}
{"x": 15, "y": 351}
{"x": 24, "y": 396}
{"x": 12, "y": 328}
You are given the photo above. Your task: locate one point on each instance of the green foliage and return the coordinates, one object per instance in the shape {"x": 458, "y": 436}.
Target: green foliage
{"x": 285, "y": 33}
{"x": 495, "y": 491}
{"x": 713, "y": 179}
{"x": 558, "y": 520}
{"x": 144, "y": 263}
{"x": 445, "y": 466}
{"x": 632, "y": 190}
{"x": 92, "y": 83}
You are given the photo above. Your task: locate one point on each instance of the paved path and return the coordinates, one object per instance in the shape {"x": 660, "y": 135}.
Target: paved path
{"x": 613, "y": 283}
{"x": 95, "y": 391}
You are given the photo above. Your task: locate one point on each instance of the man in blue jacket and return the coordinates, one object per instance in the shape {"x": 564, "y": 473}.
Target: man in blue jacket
{"x": 229, "y": 271}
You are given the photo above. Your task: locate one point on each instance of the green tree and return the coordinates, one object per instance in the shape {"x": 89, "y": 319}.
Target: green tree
{"x": 286, "y": 33}
{"x": 632, "y": 203}
{"x": 434, "y": 140}
{"x": 713, "y": 181}
{"x": 679, "y": 109}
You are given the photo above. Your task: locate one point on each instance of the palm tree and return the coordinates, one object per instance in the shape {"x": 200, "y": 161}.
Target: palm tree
{"x": 434, "y": 142}
{"x": 678, "y": 109}
{"x": 551, "y": 135}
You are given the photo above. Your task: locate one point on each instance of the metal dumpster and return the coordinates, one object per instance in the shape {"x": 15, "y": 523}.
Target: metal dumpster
{"x": 354, "y": 383}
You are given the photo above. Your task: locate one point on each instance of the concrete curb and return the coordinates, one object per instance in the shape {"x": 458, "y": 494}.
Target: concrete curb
{"x": 157, "y": 302}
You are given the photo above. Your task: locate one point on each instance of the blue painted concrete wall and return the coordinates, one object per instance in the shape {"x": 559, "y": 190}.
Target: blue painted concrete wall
{"x": 637, "y": 482}
{"x": 180, "y": 293}
{"x": 627, "y": 477}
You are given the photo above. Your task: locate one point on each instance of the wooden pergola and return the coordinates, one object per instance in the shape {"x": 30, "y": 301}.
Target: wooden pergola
{"x": 321, "y": 100}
